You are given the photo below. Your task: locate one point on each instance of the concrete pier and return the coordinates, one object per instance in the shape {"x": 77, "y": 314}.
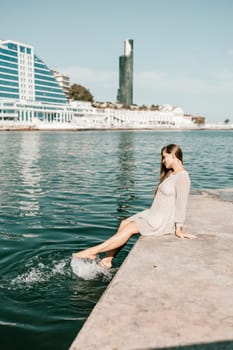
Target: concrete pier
{"x": 171, "y": 293}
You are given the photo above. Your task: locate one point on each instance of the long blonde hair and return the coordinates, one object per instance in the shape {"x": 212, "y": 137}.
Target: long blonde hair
{"x": 164, "y": 172}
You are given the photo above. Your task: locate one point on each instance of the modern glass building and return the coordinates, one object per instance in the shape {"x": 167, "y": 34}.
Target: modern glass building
{"x": 25, "y": 77}
{"x": 125, "y": 91}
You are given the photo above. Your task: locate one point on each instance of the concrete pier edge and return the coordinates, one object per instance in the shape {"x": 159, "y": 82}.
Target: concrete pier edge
{"x": 171, "y": 293}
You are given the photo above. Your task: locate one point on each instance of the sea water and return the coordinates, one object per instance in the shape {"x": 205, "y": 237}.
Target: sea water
{"x": 61, "y": 192}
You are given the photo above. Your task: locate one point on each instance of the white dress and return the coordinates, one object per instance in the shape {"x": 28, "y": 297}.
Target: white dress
{"x": 168, "y": 208}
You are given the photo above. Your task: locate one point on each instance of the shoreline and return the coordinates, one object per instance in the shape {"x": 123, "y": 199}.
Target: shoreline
{"x": 35, "y": 128}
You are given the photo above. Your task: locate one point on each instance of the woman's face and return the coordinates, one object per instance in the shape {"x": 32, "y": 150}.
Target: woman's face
{"x": 168, "y": 159}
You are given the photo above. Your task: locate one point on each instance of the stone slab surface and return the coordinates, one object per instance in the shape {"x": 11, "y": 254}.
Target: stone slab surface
{"x": 171, "y": 293}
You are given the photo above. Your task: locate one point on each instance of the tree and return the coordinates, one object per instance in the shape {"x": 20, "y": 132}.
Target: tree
{"x": 227, "y": 121}
{"x": 143, "y": 108}
{"x": 154, "y": 107}
{"x": 78, "y": 92}
{"x": 198, "y": 120}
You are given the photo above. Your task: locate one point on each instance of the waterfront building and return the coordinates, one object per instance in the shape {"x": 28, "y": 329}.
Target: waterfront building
{"x": 31, "y": 97}
{"x": 125, "y": 91}
{"x": 63, "y": 81}
{"x": 25, "y": 77}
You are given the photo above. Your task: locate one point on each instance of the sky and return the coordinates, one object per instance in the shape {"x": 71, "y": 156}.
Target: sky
{"x": 183, "y": 49}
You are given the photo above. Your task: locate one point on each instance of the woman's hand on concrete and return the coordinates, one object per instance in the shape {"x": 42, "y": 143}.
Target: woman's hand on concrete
{"x": 181, "y": 234}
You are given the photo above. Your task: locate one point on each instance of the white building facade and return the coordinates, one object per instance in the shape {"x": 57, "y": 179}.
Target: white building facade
{"x": 31, "y": 96}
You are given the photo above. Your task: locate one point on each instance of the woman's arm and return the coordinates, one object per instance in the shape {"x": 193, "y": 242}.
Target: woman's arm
{"x": 182, "y": 193}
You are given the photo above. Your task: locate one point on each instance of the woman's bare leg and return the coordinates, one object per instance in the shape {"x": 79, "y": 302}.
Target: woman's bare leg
{"x": 115, "y": 242}
{"x": 107, "y": 260}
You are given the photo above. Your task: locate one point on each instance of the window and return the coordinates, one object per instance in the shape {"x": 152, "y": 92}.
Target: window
{"x": 8, "y": 58}
{"x": 8, "y": 77}
{"x": 8, "y": 52}
{"x": 12, "y": 46}
{"x": 7, "y": 64}
{"x": 10, "y": 89}
{"x": 9, "y": 71}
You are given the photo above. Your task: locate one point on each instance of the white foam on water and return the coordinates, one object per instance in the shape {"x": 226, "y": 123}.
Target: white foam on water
{"x": 30, "y": 235}
{"x": 89, "y": 269}
{"x": 39, "y": 273}
{"x": 59, "y": 268}
{"x": 30, "y": 277}
{"x": 12, "y": 324}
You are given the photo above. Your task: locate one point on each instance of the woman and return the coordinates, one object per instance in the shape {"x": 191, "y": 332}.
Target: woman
{"x": 166, "y": 214}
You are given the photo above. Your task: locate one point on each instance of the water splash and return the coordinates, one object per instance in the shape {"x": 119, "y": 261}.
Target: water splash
{"x": 89, "y": 269}
{"x": 38, "y": 274}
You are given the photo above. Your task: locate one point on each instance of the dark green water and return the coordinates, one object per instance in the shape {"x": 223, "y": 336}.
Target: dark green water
{"x": 61, "y": 192}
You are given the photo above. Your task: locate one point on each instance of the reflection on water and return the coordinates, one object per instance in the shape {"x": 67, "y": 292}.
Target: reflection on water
{"x": 30, "y": 174}
{"x": 61, "y": 192}
{"x": 125, "y": 173}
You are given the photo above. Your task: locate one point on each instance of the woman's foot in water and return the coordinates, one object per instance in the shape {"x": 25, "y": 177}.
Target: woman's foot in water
{"x": 85, "y": 254}
{"x": 106, "y": 262}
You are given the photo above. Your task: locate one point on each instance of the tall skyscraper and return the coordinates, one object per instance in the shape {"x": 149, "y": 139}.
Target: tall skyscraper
{"x": 125, "y": 91}
{"x": 25, "y": 77}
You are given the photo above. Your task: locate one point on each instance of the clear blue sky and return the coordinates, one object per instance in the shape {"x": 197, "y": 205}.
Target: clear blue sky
{"x": 183, "y": 49}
